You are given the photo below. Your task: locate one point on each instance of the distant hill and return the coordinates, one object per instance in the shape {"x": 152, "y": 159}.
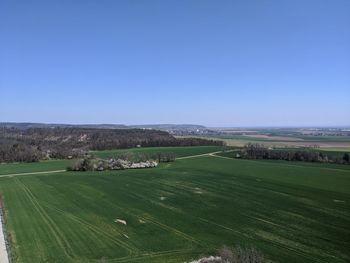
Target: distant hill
{"x": 170, "y": 126}
{"x": 34, "y": 142}
{"x": 27, "y": 125}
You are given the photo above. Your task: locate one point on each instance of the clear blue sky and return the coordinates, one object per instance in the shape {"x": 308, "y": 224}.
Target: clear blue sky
{"x": 217, "y": 63}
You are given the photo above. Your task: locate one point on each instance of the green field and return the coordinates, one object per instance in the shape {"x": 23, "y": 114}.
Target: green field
{"x": 33, "y": 167}
{"x": 178, "y": 151}
{"x": 329, "y": 143}
{"x": 292, "y": 212}
{"x": 62, "y": 164}
{"x": 287, "y": 138}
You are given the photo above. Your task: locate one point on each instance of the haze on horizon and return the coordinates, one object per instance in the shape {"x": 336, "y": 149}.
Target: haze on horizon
{"x": 215, "y": 63}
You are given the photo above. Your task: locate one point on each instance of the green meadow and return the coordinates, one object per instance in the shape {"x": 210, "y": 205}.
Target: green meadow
{"x": 291, "y": 212}
{"x": 327, "y": 143}
{"x": 178, "y": 151}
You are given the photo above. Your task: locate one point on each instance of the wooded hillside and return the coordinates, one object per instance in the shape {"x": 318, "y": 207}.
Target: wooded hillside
{"x": 42, "y": 143}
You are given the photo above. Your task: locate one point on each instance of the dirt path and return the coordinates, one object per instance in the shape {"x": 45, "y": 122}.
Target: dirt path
{"x": 198, "y": 155}
{"x": 60, "y": 171}
{"x": 32, "y": 173}
{"x": 219, "y": 156}
{"x": 3, "y": 252}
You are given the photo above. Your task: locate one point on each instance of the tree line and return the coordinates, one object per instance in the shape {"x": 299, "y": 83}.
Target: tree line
{"x": 259, "y": 151}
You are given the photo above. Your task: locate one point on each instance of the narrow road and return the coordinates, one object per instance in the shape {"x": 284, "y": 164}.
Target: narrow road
{"x": 204, "y": 154}
{"x": 198, "y": 155}
{"x": 60, "y": 171}
{"x": 3, "y": 251}
{"x": 32, "y": 173}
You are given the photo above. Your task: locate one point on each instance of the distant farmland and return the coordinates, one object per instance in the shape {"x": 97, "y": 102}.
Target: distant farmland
{"x": 336, "y": 143}
{"x": 292, "y": 212}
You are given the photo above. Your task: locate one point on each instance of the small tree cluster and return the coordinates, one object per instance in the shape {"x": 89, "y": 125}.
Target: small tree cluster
{"x": 96, "y": 164}
{"x": 166, "y": 157}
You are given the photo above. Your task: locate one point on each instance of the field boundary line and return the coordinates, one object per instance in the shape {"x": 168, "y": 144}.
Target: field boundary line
{"x": 32, "y": 173}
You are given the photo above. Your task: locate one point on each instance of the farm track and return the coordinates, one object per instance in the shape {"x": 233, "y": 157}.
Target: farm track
{"x": 199, "y": 155}
{"x": 3, "y": 250}
{"x": 32, "y": 173}
{"x": 210, "y": 154}
{"x": 61, "y": 171}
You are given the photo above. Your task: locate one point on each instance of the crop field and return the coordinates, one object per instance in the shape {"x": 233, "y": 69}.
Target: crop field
{"x": 14, "y": 168}
{"x": 178, "y": 211}
{"x": 328, "y": 143}
{"x": 53, "y": 165}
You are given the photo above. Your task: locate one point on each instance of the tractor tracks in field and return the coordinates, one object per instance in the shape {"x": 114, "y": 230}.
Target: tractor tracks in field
{"x": 171, "y": 229}
{"x": 152, "y": 255}
{"x": 110, "y": 237}
{"x": 133, "y": 252}
{"x": 56, "y": 232}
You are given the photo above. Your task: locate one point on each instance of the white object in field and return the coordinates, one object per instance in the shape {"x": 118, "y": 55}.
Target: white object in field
{"x": 120, "y": 221}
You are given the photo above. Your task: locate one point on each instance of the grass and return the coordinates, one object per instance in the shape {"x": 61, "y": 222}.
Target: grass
{"x": 178, "y": 211}
{"x": 14, "y": 168}
{"x": 33, "y": 167}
